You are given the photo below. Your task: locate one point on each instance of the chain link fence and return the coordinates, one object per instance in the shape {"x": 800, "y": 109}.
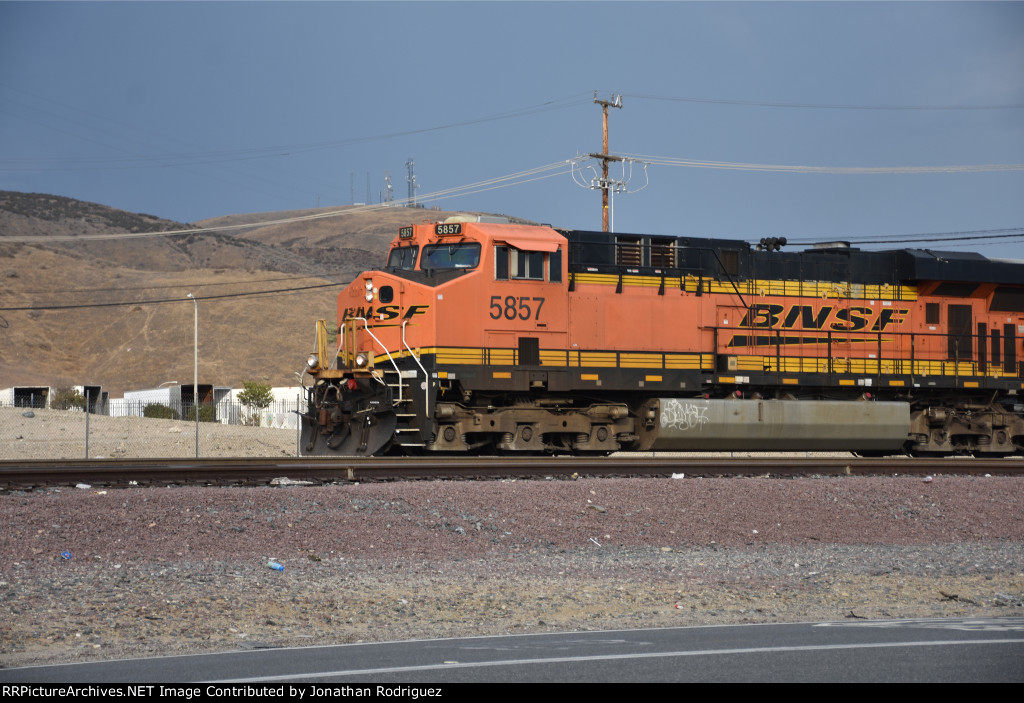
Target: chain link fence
{"x": 139, "y": 429}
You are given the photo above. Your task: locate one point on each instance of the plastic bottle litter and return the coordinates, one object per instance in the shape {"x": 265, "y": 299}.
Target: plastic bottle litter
{"x": 66, "y": 555}
{"x": 275, "y": 565}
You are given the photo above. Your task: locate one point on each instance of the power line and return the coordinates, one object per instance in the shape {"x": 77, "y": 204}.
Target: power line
{"x": 821, "y": 106}
{"x": 75, "y": 291}
{"x": 518, "y": 178}
{"x": 539, "y": 173}
{"x": 222, "y": 155}
{"x": 160, "y": 301}
{"x": 141, "y": 161}
{"x": 840, "y": 170}
{"x": 968, "y": 235}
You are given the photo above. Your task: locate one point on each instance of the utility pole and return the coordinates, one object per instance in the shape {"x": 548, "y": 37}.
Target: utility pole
{"x": 411, "y": 180}
{"x": 608, "y": 186}
{"x": 604, "y": 184}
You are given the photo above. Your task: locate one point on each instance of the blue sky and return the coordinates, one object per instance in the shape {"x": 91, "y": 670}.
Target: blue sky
{"x": 193, "y": 110}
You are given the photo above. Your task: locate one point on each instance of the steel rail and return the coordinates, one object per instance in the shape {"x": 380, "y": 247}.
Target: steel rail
{"x": 259, "y": 471}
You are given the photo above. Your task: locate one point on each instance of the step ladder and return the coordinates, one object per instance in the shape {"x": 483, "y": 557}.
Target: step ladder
{"x": 405, "y": 435}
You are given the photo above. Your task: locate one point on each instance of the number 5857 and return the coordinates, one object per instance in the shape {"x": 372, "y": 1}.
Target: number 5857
{"x": 510, "y": 307}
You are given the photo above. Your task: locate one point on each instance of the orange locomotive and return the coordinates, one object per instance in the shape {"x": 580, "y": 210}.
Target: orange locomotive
{"x": 481, "y": 336}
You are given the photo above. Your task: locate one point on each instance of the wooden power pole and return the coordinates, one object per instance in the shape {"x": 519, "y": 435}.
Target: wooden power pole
{"x": 605, "y": 185}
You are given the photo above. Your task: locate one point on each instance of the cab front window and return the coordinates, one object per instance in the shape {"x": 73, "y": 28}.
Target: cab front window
{"x": 459, "y": 255}
{"x": 403, "y": 258}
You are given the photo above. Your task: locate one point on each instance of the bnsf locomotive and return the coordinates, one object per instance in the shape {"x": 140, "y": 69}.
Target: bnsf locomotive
{"x": 493, "y": 337}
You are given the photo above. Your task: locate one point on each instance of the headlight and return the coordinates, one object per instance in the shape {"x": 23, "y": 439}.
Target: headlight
{"x": 312, "y": 361}
{"x": 369, "y": 296}
{"x": 362, "y": 359}
{"x": 369, "y": 284}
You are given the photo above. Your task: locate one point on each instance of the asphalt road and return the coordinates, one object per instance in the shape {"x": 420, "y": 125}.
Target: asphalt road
{"x": 956, "y": 650}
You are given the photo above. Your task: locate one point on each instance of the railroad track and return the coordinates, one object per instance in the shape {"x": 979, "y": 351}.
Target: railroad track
{"x": 20, "y": 475}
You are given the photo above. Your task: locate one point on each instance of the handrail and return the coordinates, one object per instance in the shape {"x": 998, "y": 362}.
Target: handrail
{"x": 904, "y": 352}
{"x": 390, "y": 358}
{"x": 426, "y": 377}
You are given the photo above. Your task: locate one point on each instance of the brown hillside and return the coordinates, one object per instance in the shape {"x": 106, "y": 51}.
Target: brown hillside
{"x": 137, "y": 329}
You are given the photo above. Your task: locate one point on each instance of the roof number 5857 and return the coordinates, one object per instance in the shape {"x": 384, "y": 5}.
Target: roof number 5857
{"x": 510, "y": 307}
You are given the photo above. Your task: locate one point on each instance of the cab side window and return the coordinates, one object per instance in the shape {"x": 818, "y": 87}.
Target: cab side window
{"x": 527, "y": 265}
{"x": 520, "y": 265}
{"x": 500, "y": 263}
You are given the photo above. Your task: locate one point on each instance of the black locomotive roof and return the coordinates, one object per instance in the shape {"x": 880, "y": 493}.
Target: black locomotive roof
{"x": 928, "y": 265}
{"x": 705, "y": 256}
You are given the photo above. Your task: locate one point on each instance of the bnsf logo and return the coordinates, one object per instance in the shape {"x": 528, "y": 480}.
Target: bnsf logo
{"x": 826, "y": 317}
{"x": 384, "y": 312}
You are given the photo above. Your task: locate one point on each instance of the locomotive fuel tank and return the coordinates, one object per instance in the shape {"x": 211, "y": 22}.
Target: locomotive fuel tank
{"x": 696, "y": 424}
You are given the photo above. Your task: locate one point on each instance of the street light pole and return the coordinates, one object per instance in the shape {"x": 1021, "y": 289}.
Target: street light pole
{"x": 195, "y": 369}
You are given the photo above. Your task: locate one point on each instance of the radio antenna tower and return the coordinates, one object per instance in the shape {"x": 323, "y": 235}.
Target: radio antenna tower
{"x": 389, "y": 196}
{"x": 604, "y": 183}
{"x": 411, "y": 179}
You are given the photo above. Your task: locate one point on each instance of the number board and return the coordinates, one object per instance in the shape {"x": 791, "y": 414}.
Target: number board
{"x": 442, "y": 229}
{"x": 405, "y": 233}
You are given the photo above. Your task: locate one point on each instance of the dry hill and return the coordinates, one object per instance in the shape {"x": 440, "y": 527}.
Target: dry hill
{"x": 133, "y": 327}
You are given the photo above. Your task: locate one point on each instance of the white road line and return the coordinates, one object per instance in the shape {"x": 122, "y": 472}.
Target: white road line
{"x": 609, "y": 657}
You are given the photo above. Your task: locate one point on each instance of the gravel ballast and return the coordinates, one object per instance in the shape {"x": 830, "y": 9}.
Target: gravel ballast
{"x": 149, "y": 571}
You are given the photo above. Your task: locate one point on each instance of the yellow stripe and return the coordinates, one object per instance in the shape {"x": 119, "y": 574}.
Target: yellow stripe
{"x": 459, "y": 356}
{"x": 847, "y": 382}
{"x": 639, "y": 361}
{"x": 765, "y": 287}
{"x": 501, "y": 374}
{"x": 653, "y": 379}
{"x": 553, "y": 358}
{"x": 791, "y": 381}
{"x": 505, "y": 357}
{"x": 588, "y": 377}
{"x": 705, "y": 361}
{"x": 683, "y": 361}
{"x": 597, "y": 359}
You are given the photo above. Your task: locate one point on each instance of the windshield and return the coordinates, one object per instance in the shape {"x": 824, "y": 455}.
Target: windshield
{"x": 403, "y": 258}
{"x": 463, "y": 255}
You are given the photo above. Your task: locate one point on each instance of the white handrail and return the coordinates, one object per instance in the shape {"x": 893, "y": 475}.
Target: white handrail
{"x": 390, "y": 358}
{"x": 426, "y": 378}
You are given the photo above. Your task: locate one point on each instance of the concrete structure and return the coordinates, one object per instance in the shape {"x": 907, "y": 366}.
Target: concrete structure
{"x": 177, "y": 396}
{"x": 26, "y": 396}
